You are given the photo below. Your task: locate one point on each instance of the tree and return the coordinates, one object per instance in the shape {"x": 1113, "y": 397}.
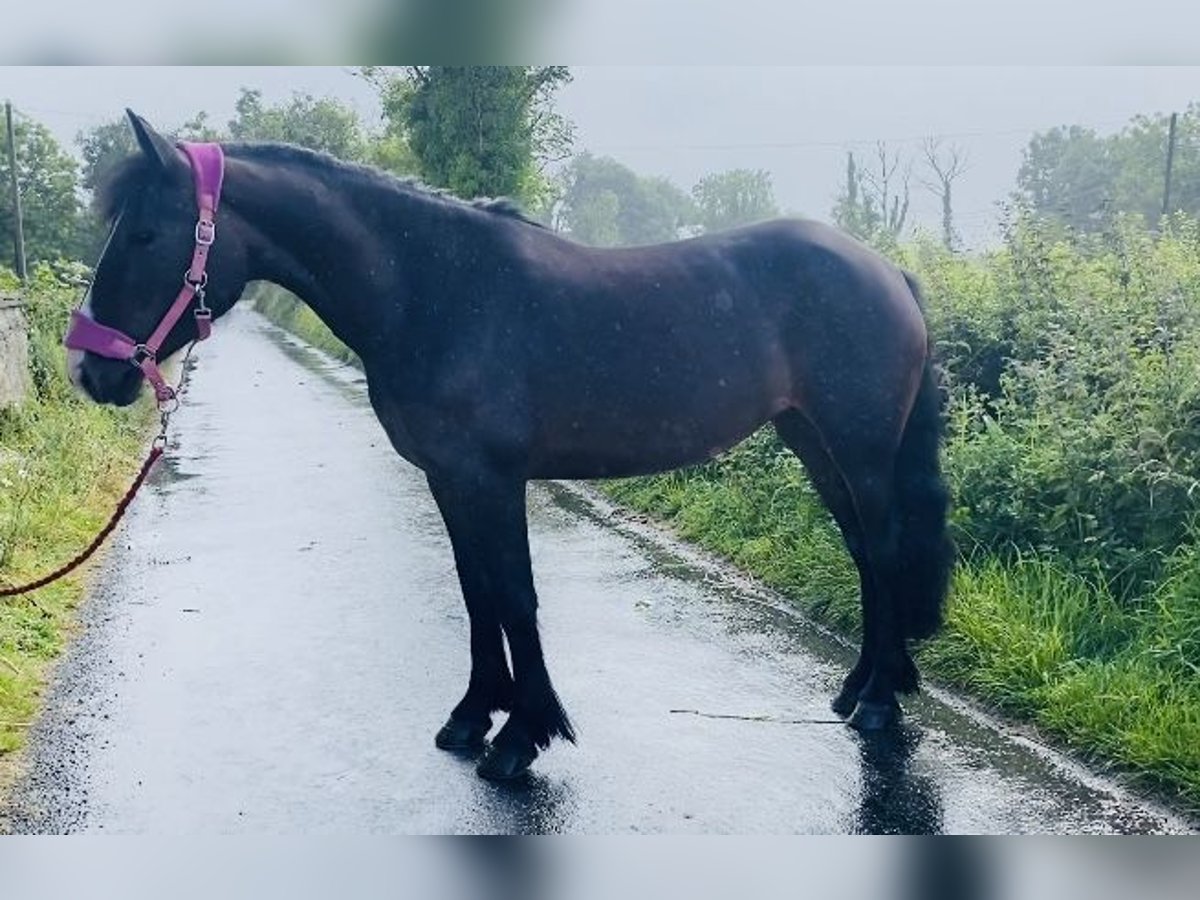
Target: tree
{"x": 736, "y": 197}
{"x": 592, "y": 219}
{"x": 605, "y": 204}
{"x": 853, "y": 212}
{"x": 1138, "y": 157}
{"x": 102, "y": 147}
{"x": 47, "y": 178}
{"x": 198, "y": 129}
{"x": 1067, "y": 174}
{"x": 671, "y": 206}
{"x": 1079, "y": 179}
{"x": 480, "y": 130}
{"x": 888, "y": 185}
{"x": 318, "y": 123}
{"x": 946, "y": 167}
{"x": 873, "y": 204}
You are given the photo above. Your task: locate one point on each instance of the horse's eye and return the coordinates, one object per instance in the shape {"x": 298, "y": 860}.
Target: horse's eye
{"x": 143, "y": 236}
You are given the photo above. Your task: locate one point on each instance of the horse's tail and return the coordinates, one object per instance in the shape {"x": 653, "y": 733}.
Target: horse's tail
{"x": 926, "y": 553}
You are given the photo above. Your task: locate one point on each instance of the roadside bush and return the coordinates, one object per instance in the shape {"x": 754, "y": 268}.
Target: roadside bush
{"x": 54, "y": 290}
{"x": 1074, "y": 367}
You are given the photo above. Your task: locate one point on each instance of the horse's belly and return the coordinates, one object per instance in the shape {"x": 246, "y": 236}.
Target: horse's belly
{"x": 581, "y": 449}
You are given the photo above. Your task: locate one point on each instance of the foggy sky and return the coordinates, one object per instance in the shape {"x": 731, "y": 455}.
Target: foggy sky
{"x": 686, "y": 121}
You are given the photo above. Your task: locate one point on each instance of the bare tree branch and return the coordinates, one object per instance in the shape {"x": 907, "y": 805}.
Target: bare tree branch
{"x": 947, "y": 166}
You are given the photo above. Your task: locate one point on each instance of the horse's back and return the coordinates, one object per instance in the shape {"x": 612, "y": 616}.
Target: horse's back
{"x": 772, "y": 260}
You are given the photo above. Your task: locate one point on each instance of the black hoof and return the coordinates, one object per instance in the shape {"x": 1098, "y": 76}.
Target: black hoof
{"x": 843, "y": 704}
{"x": 868, "y": 716}
{"x": 458, "y": 734}
{"x": 506, "y": 759}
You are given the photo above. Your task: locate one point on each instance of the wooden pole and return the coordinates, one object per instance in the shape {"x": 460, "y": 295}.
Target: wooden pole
{"x": 19, "y": 226}
{"x": 1166, "y": 210}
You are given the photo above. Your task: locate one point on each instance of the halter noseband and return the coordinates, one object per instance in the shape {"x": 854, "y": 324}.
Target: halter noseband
{"x": 208, "y": 169}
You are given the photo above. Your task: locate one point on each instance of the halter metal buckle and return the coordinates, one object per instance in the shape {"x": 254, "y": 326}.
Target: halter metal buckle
{"x": 206, "y": 232}
{"x": 141, "y": 353}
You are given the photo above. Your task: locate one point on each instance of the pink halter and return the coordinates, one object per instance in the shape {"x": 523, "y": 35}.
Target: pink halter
{"x": 208, "y": 170}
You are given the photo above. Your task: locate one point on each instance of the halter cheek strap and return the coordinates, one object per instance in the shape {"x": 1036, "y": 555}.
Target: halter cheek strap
{"x": 207, "y": 162}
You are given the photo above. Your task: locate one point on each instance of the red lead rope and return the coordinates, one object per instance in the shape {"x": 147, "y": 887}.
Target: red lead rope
{"x": 155, "y": 452}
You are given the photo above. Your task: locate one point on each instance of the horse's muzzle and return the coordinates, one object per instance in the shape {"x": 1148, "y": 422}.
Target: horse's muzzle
{"x": 111, "y": 381}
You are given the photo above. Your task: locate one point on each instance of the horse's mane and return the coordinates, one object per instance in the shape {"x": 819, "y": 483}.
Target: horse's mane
{"x": 129, "y": 175}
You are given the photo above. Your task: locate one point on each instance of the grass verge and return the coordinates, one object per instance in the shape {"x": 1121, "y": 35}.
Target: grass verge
{"x": 64, "y": 463}
{"x": 284, "y": 310}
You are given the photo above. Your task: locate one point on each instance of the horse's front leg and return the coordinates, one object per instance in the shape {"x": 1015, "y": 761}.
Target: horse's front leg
{"x": 484, "y": 513}
{"x": 490, "y": 686}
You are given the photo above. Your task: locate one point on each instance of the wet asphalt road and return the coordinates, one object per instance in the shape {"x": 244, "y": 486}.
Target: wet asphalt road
{"x": 277, "y": 633}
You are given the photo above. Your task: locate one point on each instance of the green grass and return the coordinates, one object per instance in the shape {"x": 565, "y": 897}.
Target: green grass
{"x": 63, "y": 465}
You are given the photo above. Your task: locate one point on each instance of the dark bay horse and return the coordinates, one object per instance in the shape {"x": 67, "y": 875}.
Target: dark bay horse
{"x": 497, "y": 352}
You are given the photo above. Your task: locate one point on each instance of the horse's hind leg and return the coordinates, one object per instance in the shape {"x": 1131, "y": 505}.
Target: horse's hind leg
{"x": 868, "y": 471}
{"x": 485, "y": 515}
{"x": 853, "y": 462}
{"x": 802, "y": 438}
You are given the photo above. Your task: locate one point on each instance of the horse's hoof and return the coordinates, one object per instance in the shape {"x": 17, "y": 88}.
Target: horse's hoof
{"x": 843, "y": 704}
{"x": 506, "y": 760}
{"x": 868, "y": 716}
{"x": 458, "y": 734}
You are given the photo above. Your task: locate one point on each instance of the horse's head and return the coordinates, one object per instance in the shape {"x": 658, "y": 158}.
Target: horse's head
{"x": 150, "y": 201}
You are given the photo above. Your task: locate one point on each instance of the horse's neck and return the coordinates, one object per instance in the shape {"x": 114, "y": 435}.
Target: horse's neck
{"x": 346, "y": 255}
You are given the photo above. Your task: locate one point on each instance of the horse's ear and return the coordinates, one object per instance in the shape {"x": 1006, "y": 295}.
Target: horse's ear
{"x": 154, "y": 145}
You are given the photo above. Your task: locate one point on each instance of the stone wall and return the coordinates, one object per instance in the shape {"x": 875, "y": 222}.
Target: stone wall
{"x": 14, "y": 352}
